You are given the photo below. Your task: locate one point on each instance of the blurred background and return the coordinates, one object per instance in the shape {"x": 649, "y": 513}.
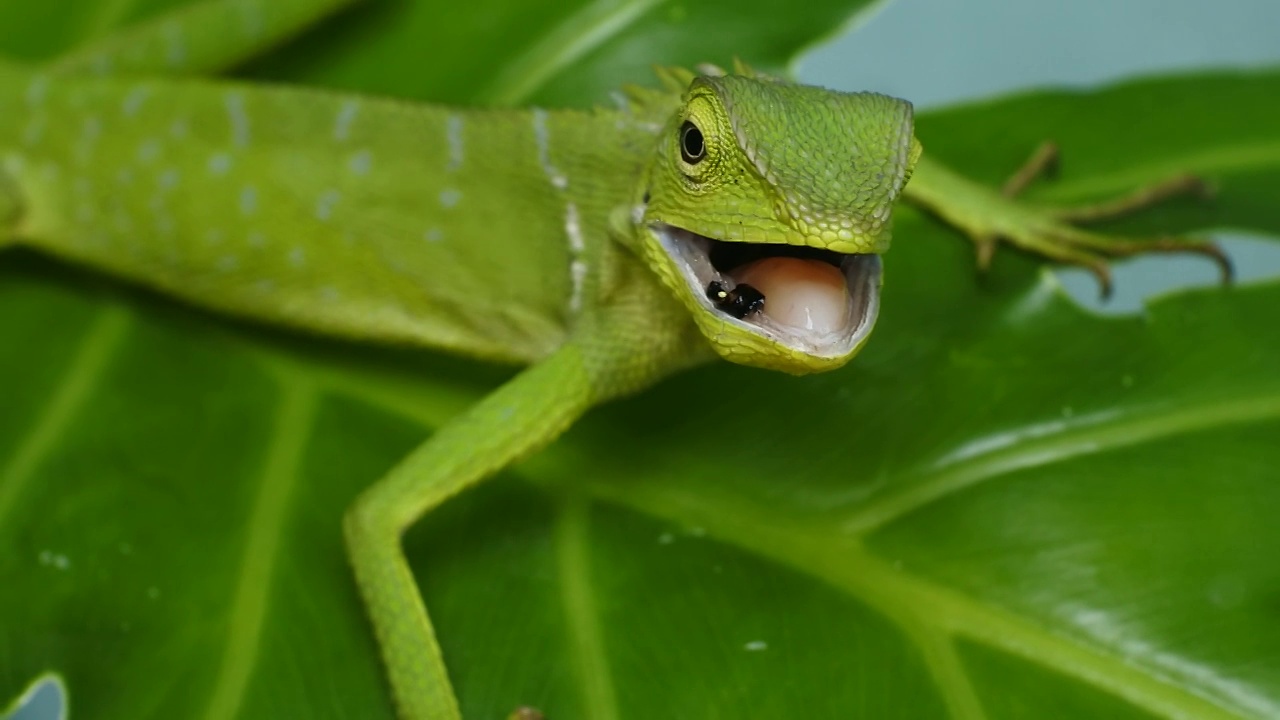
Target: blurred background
{"x": 942, "y": 52}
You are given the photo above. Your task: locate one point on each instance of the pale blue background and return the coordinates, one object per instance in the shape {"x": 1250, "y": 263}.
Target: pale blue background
{"x": 942, "y": 51}
{"x": 939, "y": 52}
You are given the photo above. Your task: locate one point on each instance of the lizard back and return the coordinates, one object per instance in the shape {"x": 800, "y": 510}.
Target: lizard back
{"x": 352, "y": 216}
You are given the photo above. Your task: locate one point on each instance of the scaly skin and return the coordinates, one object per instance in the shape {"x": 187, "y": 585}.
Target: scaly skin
{"x": 524, "y": 236}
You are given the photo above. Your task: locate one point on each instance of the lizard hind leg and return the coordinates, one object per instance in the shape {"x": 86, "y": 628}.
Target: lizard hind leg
{"x": 517, "y": 419}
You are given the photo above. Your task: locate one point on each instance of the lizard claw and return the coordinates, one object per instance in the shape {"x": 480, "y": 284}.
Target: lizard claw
{"x": 985, "y": 249}
{"x": 1089, "y": 249}
{"x": 989, "y": 217}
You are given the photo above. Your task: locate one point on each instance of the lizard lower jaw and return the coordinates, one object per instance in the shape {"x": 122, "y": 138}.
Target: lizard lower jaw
{"x": 816, "y": 302}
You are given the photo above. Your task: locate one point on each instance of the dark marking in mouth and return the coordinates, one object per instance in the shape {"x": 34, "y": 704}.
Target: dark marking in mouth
{"x": 739, "y": 302}
{"x": 728, "y": 256}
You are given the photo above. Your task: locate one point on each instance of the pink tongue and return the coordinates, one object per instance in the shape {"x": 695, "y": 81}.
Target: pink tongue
{"x": 807, "y": 294}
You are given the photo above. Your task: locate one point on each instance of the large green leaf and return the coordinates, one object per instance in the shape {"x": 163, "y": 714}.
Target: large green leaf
{"x": 1006, "y": 507}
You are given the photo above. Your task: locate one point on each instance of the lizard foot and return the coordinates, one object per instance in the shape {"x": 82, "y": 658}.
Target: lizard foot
{"x": 989, "y": 217}
{"x": 1063, "y": 241}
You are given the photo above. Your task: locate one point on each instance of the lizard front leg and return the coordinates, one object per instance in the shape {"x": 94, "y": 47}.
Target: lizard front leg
{"x": 633, "y": 338}
{"x": 522, "y": 416}
{"x": 988, "y": 216}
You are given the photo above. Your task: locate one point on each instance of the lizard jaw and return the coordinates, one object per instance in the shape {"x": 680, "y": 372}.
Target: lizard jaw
{"x": 702, "y": 260}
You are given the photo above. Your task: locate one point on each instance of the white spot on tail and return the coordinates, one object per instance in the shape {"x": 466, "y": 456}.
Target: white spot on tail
{"x": 297, "y": 257}
{"x": 360, "y": 162}
{"x": 227, "y": 263}
{"x": 756, "y": 646}
{"x": 123, "y": 221}
{"x": 219, "y": 163}
{"x": 342, "y": 121}
{"x": 238, "y": 118}
{"x": 325, "y": 203}
{"x": 34, "y": 132}
{"x": 542, "y": 138}
{"x": 450, "y": 197}
{"x": 37, "y": 90}
{"x": 149, "y": 150}
{"x": 433, "y": 235}
{"x": 175, "y": 52}
{"x": 248, "y": 200}
{"x": 251, "y": 20}
{"x": 133, "y": 101}
{"x": 179, "y": 129}
{"x": 169, "y": 179}
{"x": 165, "y": 227}
{"x": 213, "y": 236}
{"x": 256, "y": 239}
{"x": 90, "y": 130}
{"x": 453, "y": 131}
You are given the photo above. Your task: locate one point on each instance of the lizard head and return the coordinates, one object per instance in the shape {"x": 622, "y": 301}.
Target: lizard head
{"x": 765, "y": 210}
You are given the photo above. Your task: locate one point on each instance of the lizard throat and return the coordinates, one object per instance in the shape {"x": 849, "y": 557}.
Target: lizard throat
{"x": 810, "y": 300}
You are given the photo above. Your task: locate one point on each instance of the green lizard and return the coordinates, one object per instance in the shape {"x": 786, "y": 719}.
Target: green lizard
{"x": 724, "y": 214}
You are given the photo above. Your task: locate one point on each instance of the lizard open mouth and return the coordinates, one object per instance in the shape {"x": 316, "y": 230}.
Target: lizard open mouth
{"x": 816, "y": 301}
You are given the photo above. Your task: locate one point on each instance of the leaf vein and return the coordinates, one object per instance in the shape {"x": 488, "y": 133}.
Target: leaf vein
{"x": 581, "y": 614}
{"x": 578, "y": 35}
{"x": 83, "y": 374}
{"x": 288, "y": 442}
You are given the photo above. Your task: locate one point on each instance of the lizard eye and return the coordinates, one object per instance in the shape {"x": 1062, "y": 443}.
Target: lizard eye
{"x": 692, "y": 146}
